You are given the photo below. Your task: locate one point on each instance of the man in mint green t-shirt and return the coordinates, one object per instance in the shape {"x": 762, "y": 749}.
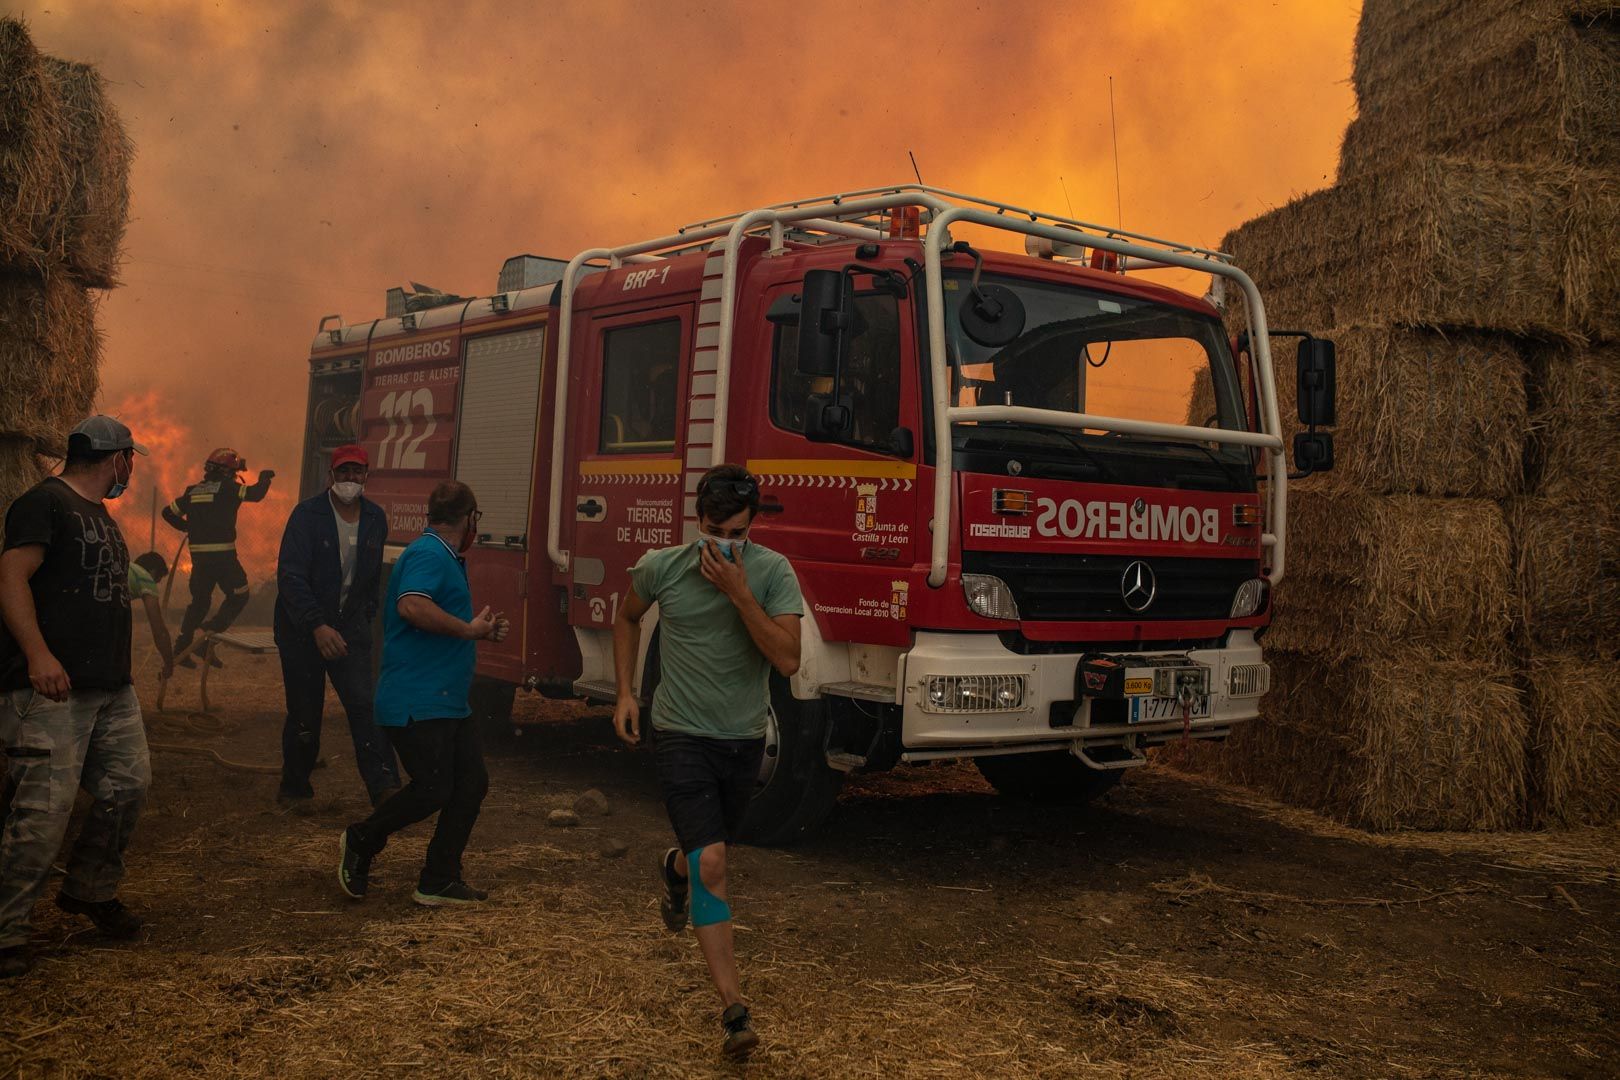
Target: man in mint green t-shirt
{"x": 728, "y": 612}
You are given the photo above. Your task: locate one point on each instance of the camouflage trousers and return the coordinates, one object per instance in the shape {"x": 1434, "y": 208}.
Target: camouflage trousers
{"x": 93, "y": 740}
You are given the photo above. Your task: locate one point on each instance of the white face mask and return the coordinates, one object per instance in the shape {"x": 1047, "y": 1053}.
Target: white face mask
{"x": 347, "y": 490}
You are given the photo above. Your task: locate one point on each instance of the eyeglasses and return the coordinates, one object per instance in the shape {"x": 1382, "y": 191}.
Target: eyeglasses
{"x": 475, "y": 517}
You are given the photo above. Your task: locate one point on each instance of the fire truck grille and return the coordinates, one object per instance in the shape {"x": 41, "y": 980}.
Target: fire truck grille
{"x": 1053, "y": 588}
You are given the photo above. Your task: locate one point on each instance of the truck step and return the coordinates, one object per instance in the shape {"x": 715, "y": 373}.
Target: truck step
{"x": 1111, "y": 757}
{"x": 844, "y": 761}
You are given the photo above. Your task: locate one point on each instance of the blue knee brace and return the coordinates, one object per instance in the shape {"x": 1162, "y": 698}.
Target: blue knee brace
{"x": 707, "y": 908}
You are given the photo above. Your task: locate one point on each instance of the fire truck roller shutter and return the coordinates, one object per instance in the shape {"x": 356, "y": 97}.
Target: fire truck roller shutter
{"x": 500, "y": 393}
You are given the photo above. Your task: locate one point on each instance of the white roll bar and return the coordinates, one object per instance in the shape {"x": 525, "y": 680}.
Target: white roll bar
{"x": 847, "y": 215}
{"x": 1268, "y": 439}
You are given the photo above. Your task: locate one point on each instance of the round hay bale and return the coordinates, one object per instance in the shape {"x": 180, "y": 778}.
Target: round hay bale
{"x": 34, "y": 181}
{"x": 50, "y": 358}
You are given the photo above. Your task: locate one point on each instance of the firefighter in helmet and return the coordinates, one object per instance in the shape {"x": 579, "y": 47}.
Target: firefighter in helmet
{"x": 206, "y": 513}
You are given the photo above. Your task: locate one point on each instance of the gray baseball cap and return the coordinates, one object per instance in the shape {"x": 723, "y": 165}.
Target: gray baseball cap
{"x": 105, "y": 433}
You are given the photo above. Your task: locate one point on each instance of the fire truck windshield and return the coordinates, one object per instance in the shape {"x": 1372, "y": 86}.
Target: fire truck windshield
{"x": 1089, "y": 351}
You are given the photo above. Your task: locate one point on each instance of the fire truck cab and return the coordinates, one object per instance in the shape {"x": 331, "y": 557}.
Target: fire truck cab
{"x": 1014, "y": 544}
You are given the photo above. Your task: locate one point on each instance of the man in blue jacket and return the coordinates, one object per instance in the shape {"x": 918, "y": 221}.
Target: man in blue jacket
{"x": 327, "y": 577}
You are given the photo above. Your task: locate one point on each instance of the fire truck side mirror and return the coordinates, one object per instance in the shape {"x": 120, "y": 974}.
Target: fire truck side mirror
{"x": 1317, "y": 383}
{"x": 1313, "y": 453}
{"x": 827, "y": 420}
{"x": 824, "y": 315}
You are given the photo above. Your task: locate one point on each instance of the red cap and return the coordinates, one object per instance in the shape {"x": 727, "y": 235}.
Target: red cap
{"x": 350, "y": 455}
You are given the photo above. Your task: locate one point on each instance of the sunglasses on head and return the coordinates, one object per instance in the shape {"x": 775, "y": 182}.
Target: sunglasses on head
{"x": 742, "y": 489}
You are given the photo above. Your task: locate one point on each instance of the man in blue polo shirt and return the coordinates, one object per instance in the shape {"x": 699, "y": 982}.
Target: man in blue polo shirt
{"x": 429, "y": 651}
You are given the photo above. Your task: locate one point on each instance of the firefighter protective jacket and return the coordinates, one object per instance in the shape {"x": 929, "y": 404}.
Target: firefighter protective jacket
{"x": 207, "y": 512}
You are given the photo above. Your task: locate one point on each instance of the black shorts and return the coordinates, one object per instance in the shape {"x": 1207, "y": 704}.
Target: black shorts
{"x": 707, "y": 784}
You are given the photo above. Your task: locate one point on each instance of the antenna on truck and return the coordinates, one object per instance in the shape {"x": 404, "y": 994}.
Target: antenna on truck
{"x": 916, "y": 171}
{"x": 1119, "y": 211}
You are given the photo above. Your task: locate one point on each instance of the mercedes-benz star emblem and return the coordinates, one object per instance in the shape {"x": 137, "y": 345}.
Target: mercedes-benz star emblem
{"x": 1015, "y": 467}
{"x": 1139, "y": 507}
{"x": 1138, "y": 586}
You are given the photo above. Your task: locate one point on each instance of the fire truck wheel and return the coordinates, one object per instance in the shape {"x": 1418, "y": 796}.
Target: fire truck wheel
{"x": 491, "y": 702}
{"x": 1056, "y": 778}
{"x": 797, "y": 788}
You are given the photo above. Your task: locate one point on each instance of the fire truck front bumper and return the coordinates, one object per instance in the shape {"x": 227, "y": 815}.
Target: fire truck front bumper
{"x": 966, "y": 695}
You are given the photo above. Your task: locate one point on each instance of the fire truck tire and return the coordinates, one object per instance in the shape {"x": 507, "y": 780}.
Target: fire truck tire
{"x": 491, "y": 701}
{"x": 798, "y": 788}
{"x": 1056, "y": 778}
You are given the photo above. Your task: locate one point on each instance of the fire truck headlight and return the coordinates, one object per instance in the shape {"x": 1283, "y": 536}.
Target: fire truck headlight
{"x": 974, "y": 693}
{"x": 1250, "y": 598}
{"x": 989, "y": 596}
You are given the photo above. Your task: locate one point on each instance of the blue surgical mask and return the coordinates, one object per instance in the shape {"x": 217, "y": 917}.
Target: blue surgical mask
{"x": 119, "y": 486}
{"x": 729, "y": 549}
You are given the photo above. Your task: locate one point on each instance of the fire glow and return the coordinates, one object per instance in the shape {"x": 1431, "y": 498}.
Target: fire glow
{"x": 273, "y": 186}
{"x": 175, "y": 456}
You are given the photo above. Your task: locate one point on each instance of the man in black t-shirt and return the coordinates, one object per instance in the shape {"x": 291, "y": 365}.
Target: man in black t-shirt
{"x": 68, "y": 713}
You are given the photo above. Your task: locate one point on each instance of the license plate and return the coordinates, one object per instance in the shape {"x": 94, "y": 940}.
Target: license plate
{"x": 1146, "y": 710}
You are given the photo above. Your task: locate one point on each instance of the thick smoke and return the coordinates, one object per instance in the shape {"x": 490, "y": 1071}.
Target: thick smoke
{"x": 297, "y": 159}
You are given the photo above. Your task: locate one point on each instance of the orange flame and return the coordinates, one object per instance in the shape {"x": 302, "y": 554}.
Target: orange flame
{"x": 174, "y": 461}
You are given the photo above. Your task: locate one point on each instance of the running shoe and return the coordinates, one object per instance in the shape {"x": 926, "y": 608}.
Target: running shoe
{"x": 740, "y": 1035}
{"x": 672, "y": 905}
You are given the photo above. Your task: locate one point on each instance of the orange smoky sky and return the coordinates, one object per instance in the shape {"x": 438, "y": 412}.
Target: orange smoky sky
{"x": 298, "y": 158}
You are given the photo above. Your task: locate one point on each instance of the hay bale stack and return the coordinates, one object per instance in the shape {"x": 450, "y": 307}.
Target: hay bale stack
{"x": 64, "y": 165}
{"x": 19, "y": 470}
{"x": 1467, "y": 548}
{"x": 1201, "y": 399}
{"x": 1400, "y": 741}
{"x": 1567, "y": 534}
{"x": 1400, "y": 44}
{"x": 98, "y": 157}
{"x": 33, "y": 153}
{"x": 50, "y": 358}
{"x": 1553, "y": 98}
{"x": 1574, "y": 740}
{"x": 1366, "y": 571}
{"x": 1441, "y": 242}
{"x": 1567, "y": 557}
{"x": 1575, "y": 422}
{"x": 64, "y": 201}
{"x": 1420, "y": 412}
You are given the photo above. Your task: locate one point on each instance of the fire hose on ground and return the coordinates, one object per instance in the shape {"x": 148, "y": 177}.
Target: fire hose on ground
{"x": 203, "y": 721}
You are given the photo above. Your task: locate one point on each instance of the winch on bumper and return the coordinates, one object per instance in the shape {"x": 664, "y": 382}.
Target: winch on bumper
{"x": 968, "y": 695}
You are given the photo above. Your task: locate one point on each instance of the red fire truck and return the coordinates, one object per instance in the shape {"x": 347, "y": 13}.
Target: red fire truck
{"x": 1013, "y": 546}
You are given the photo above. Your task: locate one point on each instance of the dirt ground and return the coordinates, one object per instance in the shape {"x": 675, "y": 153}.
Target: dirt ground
{"x": 1177, "y": 928}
